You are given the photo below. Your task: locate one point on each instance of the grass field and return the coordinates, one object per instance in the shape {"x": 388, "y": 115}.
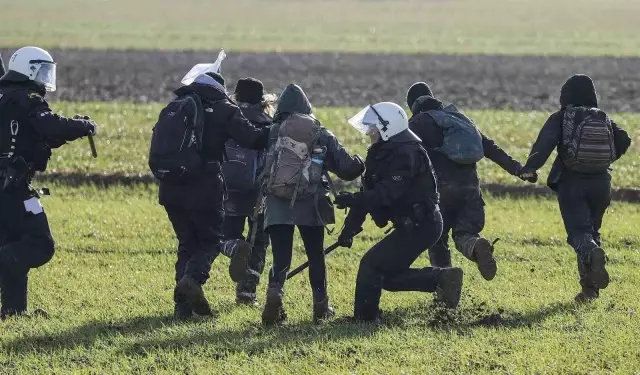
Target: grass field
{"x": 125, "y": 133}
{"x": 109, "y": 292}
{"x": 569, "y": 27}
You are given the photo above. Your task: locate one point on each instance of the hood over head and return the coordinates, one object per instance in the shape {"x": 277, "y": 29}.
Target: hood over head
{"x": 293, "y": 100}
{"x": 579, "y": 90}
{"x": 426, "y": 103}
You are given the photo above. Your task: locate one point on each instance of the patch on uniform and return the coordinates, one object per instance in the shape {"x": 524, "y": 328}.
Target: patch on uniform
{"x": 396, "y": 178}
{"x": 36, "y": 97}
{"x": 209, "y": 110}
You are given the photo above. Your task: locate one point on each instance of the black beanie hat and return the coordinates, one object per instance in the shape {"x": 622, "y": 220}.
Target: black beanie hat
{"x": 217, "y": 77}
{"x": 249, "y": 90}
{"x": 579, "y": 90}
{"x": 417, "y": 90}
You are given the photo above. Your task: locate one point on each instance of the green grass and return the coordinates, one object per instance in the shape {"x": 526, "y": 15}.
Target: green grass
{"x": 570, "y": 27}
{"x": 109, "y": 292}
{"x": 123, "y": 142}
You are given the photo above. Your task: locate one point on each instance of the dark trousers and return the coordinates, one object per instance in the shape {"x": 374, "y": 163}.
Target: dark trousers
{"x": 234, "y": 228}
{"x": 282, "y": 249}
{"x": 25, "y": 243}
{"x": 583, "y": 202}
{"x": 387, "y": 266}
{"x": 463, "y": 215}
{"x": 199, "y": 234}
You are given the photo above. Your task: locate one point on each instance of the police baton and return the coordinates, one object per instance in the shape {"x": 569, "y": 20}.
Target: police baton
{"x": 304, "y": 265}
{"x": 94, "y": 152}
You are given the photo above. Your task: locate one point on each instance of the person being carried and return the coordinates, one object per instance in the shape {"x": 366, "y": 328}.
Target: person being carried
{"x": 241, "y": 171}
{"x": 588, "y": 142}
{"x": 455, "y": 144}
{"x": 301, "y": 152}
{"x": 28, "y": 131}
{"x": 400, "y": 187}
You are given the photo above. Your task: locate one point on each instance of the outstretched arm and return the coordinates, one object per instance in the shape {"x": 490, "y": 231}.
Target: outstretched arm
{"x": 548, "y": 139}
{"x": 497, "y": 155}
{"x": 340, "y": 162}
{"x": 55, "y": 129}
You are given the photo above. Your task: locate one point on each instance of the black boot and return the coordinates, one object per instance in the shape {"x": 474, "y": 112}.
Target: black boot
{"x": 322, "y": 311}
{"x": 449, "y": 286}
{"x": 246, "y": 294}
{"x": 240, "y": 254}
{"x": 483, "y": 256}
{"x": 273, "y": 312}
{"x": 596, "y": 260}
{"x": 182, "y": 310}
{"x": 189, "y": 290}
{"x": 589, "y": 291}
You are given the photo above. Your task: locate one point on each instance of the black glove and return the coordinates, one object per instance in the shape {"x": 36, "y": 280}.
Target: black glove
{"x": 528, "y": 174}
{"x": 92, "y": 126}
{"x": 345, "y": 239}
{"x": 344, "y": 200}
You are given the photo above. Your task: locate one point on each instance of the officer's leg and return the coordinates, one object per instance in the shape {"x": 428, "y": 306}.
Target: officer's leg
{"x": 282, "y": 248}
{"x": 390, "y": 258}
{"x": 13, "y": 293}
{"x": 466, "y": 234}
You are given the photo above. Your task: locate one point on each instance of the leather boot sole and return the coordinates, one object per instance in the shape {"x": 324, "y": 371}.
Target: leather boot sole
{"x": 597, "y": 271}
{"x": 484, "y": 258}
{"x": 239, "y": 261}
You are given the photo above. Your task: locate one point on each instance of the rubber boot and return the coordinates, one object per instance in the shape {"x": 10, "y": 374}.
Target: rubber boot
{"x": 596, "y": 260}
{"x": 241, "y": 252}
{"x": 449, "y": 286}
{"x": 273, "y": 312}
{"x": 322, "y": 311}
{"x": 190, "y": 291}
{"x": 483, "y": 256}
{"x": 246, "y": 294}
{"x": 589, "y": 291}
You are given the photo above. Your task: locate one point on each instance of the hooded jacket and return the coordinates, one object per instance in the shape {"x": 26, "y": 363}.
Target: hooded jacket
{"x": 313, "y": 211}
{"x": 579, "y": 90}
{"x": 223, "y": 120}
{"x": 448, "y": 171}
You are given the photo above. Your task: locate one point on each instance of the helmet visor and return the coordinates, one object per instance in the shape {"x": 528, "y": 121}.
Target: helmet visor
{"x": 365, "y": 121}
{"x": 46, "y": 76}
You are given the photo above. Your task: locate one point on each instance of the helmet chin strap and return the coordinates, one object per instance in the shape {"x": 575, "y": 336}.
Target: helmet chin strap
{"x": 385, "y": 123}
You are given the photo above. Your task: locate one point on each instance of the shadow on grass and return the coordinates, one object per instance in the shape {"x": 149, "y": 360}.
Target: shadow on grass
{"x": 254, "y": 339}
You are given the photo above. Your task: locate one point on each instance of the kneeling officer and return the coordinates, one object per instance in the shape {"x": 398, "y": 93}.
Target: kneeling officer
{"x": 399, "y": 186}
{"x": 28, "y": 132}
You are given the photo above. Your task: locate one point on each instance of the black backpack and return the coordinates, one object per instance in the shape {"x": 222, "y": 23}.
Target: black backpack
{"x": 587, "y": 140}
{"x": 176, "y": 143}
{"x": 241, "y": 167}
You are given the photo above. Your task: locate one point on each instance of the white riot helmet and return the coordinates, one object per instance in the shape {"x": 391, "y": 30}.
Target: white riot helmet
{"x": 389, "y": 118}
{"x": 36, "y": 65}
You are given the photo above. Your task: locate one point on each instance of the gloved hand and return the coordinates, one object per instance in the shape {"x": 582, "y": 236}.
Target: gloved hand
{"x": 345, "y": 239}
{"x": 344, "y": 200}
{"x": 92, "y": 126}
{"x": 528, "y": 174}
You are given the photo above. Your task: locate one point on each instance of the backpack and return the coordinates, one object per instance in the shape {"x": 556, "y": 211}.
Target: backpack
{"x": 175, "y": 152}
{"x": 587, "y": 140}
{"x": 241, "y": 167}
{"x": 462, "y": 140}
{"x": 294, "y": 165}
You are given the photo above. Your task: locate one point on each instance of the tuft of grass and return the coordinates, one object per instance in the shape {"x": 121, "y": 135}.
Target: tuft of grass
{"x": 109, "y": 291}
{"x": 125, "y": 133}
{"x": 513, "y": 27}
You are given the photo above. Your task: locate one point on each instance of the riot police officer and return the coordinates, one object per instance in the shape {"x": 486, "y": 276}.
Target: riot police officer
{"x": 399, "y": 187}
{"x": 28, "y": 132}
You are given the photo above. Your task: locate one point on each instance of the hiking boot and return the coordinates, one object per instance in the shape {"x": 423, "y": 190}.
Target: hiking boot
{"x": 241, "y": 251}
{"x": 483, "y": 255}
{"x": 182, "y": 310}
{"x": 273, "y": 312}
{"x": 190, "y": 291}
{"x": 597, "y": 272}
{"x": 587, "y": 295}
{"x": 322, "y": 311}
{"x": 246, "y": 294}
{"x": 449, "y": 286}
